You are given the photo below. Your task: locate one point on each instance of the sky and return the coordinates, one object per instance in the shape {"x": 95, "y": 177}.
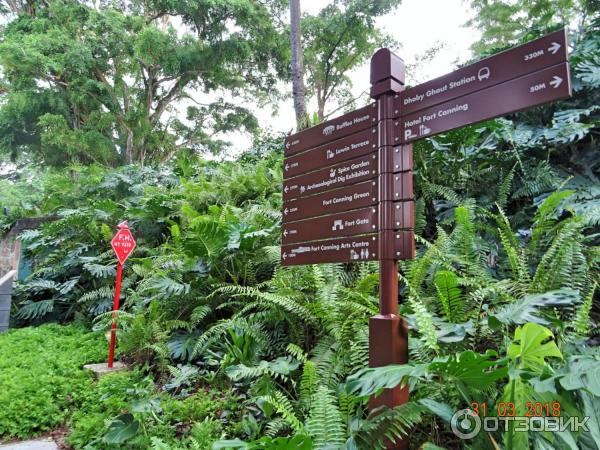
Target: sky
{"x": 418, "y": 25}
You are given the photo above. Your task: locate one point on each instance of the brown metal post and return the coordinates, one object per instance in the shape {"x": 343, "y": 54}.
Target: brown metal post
{"x": 388, "y": 334}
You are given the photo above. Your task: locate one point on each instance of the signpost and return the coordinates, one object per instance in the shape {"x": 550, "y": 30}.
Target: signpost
{"x": 348, "y": 189}
{"x": 123, "y": 244}
{"x": 358, "y": 144}
{"x": 510, "y": 64}
{"x": 343, "y": 174}
{"x": 525, "y": 92}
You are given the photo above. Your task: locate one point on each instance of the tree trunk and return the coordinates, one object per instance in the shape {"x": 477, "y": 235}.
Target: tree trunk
{"x": 129, "y": 147}
{"x": 298, "y": 89}
{"x": 321, "y": 105}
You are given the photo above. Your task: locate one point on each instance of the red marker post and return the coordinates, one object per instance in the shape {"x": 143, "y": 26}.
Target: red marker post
{"x": 123, "y": 244}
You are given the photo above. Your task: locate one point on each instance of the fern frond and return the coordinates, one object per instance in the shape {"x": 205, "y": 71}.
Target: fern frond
{"x": 450, "y": 295}
{"x": 581, "y": 323}
{"x": 325, "y": 423}
{"x": 388, "y": 424}
{"x": 283, "y": 406}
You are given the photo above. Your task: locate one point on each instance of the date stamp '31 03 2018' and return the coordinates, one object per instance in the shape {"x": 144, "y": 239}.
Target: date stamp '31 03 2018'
{"x": 530, "y": 417}
{"x": 510, "y": 409}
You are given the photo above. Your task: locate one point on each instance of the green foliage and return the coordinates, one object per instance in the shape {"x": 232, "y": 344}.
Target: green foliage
{"x": 101, "y": 85}
{"x": 324, "y": 423}
{"x": 42, "y": 377}
{"x": 341, "y": 37}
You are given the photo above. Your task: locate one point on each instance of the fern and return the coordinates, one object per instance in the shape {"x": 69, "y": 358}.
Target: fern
{"x": 504, "y": 188}
{"x": 546, "y": 217}
{"x": 308, "y": 384}
{"x": 450, "y": 295}
{"x": 325, "y": 424}
{"x": 388, "y": 425}
{"x": 284, "y": 408}
{"x": 555, "y": 267}
{"x": 581, "y": 323}
{"x": 35, "y": 310}
{"x": 511, "y": 246}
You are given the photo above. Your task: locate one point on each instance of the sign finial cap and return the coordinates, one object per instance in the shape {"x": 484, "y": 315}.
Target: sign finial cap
{"x": 386, "y": 64}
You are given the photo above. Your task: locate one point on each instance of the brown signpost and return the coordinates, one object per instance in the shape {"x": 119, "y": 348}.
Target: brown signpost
{"x": 358, "y": 144}
{"x": 530, "y": 90}
{"x": 359, "y": 248}
{"x": 331, "y": 130}
{"x": 339, "y": 175}
{"x": 350, "y": 223}
{"x": 351, "y": 197}
{"x": 507, "y": 65}
{"x": 348, "y": 189}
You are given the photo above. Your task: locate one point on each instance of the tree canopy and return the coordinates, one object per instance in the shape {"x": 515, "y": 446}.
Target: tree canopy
{"x": 109, "y": 86}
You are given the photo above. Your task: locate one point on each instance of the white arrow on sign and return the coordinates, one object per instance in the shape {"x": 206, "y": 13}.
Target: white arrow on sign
{"x": 285, "y": 189}
{"x": 287, "y": 145}
{"x": 285, "y": 232}
{"x": 554, "y": 47}
{"x": 556, "y": 81}
{"x": 287, "y": 166}
{"x": 285, "y": 211}
{"x": 284, "y": 255}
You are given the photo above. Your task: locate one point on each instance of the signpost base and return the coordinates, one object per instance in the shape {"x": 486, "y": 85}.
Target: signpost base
{"x": 388, "y": 341}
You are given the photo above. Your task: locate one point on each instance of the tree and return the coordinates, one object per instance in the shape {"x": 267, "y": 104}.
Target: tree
{"x": 340, "y": 38}
{"x": 298, "y": 88}
{"x": 505, "y": 22}
{"x": 101, "y": 85}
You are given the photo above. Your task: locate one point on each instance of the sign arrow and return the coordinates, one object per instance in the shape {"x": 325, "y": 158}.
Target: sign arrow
{"x": 287, "y": 166}
{"x": 556, "y": 81}
{"x": 285, "y": 211}
{"x": 554, "y": 48}
{"x": 287, "y": 145}
{"x": 285, "y": 232}
{"x": 284, "y": 255}
{"x": 285, "y": 189}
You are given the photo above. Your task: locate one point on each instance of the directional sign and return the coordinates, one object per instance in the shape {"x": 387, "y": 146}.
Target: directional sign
{"x": 361, "y": 248}
{"x": 343, "y": 174}
{"x": 350, "y": 223}
{"x": 344, "y": 199}
{"x": 507, "y": 65}
{"x": 352, "y": 146}
{"x": 531, "y": 90}
{"x": 349, "y": 249}
{"x": 123, "y": 243}
{"x": 331, "y": 130}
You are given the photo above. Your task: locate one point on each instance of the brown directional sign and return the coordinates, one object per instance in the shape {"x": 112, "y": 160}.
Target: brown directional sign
{"x": 357, "y": 144}
{"x": 350, "y": 249}
{"x": 507, "y": 65}
{"x": 331, "y": 130}
{"x": 344, "y": 199}
{"x": 339, "y": 175}
{"x": 531, "y": 90}
{"x": 360, "y": 248}
{"x": 349, "y": 223}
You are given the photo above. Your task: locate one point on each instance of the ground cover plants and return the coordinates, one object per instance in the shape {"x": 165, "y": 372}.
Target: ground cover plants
{"x": 42, "y": 376}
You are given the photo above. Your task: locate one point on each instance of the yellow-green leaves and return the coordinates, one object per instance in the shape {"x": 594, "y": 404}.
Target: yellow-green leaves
{"x": 531, "y": 346}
